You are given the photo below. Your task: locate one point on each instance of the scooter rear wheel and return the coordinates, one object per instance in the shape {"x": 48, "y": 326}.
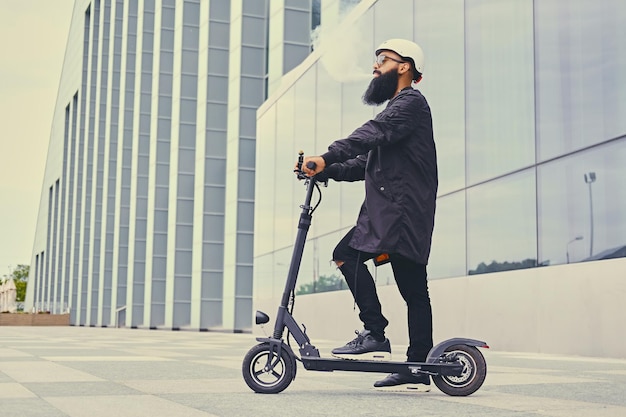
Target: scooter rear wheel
{"x": 266, "y": 372}
{"x": 472, "y": 377}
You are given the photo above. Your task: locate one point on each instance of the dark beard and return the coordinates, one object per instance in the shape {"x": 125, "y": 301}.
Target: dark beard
{"x": 381, "y": 88}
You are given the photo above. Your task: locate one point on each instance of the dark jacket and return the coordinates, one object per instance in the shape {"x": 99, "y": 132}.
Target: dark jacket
{"x": 395, "y": 154}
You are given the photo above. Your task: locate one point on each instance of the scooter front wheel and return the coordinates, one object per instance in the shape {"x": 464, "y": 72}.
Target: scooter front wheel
{"x": 265, "y": 371}
{"x": 473, "y": 375}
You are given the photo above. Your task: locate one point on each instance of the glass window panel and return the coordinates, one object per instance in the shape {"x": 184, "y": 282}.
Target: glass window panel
{"x": 282, "y": 258}
{"x": 161, "y": 197}
{"x": 583, "y": 218}
{"x": 165, "y": 84}
{"x": 213, "y": 255}
{"x": 189, "y": 86}
{"x": 163, "y": 176}
{"x": 581, "y": 61}
{"x": 243, "y": 283}
{"x": 186, "y": 160}
{"x": 213, "y": 228}
{"x": 294, "y": 55}
{"x": 190, "y": 62}
{"x": 318, "y": 273}
{"x": 218, "y": 61}
{"x": 219, "y": 10}
{"x": 191, "y": 13}
{"x": 214, "y": 199}
{"x": 501, "y": 224}
{"x": 500, "y": 99}
{"x": 219, "y": 34}
{"x": 186, "y": 186}
{"x": 247, "y": 153}
{"x": 217, "y": 88}
{"x": 216, "y": 115}
{"x": 215, "y": 171}
{"x": 187, "y": 136}
{"x": 165, "y": 106}
{"x": 246, "y": 184}
{"x": 215, "y": 143}
{"x": 284, "y": 212}
{"x": 247, "y": 122}
{"x": 252, "y": 93}
{"x": 402, "y": 26}
{"x": 447, "y": 253}
{"x": 164, "y": 129}
{"x": 244, "y": 248}
{"x": 353, "y": 114}
{"x": 328, "y": 129}
{"x": 255, "y": 7}
{"x": 440, "y": 31}
{"x": 167, "y": 42}
{"x": 264, "y": 200}
{"x": 212, "y": 285}
{"x": 184, "y": 211}
{"x": 297, "y": 23}
{"x": 188, "y": 110}
{"x": 190, "y": 38}
{"x": 253, "y": 31}
{"x": 159, "y": 266}
{"x": 252, "y": 61}
{"x": 184, "y": 237}
{"x": 161, "y": 222}
{"x": 245, "y": 216}
{"x": 168, "y": 17}
{"x": 264, "y": 277}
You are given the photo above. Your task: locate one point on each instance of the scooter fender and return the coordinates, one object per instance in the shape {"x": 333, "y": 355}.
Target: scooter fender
{"x": 439, "y": 349}
{"x": 276, "y": 345}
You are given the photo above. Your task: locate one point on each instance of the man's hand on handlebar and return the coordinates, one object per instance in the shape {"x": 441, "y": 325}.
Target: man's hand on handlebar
{"x": 310, "y": 165}
{"x": 319, "y": 166}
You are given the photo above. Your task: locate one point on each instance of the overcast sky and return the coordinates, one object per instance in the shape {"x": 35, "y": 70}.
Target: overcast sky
{"x": 33, "y": 34}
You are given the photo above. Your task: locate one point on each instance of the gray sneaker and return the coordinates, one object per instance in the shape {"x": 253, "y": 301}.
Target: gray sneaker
{"x": 364, "y": 347}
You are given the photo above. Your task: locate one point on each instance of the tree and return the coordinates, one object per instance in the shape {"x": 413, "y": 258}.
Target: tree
{"x": 323, "y": 284}
{"x": 494, "y": 266}
{"x": 20, "y": 277}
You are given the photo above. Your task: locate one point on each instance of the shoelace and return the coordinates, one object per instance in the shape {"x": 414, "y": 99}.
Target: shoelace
{"x": 358, "y": 340}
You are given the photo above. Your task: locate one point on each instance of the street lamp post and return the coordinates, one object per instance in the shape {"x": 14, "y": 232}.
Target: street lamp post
{"x": 590, "y": 178}
{"x": 567, "y": 246}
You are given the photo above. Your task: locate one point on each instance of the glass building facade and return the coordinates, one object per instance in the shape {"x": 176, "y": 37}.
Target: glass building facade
{"x": 147, "y": 208}
{"x": 527, "y": 102}
{"x": 169, "y": 202}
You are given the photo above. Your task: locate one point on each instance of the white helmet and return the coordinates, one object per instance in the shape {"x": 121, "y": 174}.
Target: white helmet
{"x": 408, "y": 50}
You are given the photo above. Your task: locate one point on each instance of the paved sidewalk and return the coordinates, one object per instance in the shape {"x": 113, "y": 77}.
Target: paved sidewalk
{"x": 78, "y": 371}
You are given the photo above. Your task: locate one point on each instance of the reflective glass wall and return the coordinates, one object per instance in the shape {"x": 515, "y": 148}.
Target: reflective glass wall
{"x": 526, "y": 98}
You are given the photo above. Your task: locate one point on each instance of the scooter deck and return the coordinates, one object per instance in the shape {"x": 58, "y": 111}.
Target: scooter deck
{"x": 329, "y": 365}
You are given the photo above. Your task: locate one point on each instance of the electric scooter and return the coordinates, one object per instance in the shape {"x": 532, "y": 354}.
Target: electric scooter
{"x": 456, "y": 366}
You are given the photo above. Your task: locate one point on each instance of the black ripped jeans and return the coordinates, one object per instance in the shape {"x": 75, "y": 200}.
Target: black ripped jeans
{"x": 412, "y": 283}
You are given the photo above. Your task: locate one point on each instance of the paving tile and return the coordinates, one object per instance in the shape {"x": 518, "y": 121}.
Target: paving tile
{"x": 123, "y": 405}
{"x": 41, "y": 371}
{"x": 14, "y": 390}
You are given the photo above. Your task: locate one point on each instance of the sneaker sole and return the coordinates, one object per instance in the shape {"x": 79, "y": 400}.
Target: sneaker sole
{"x": 367, "y": 356}
{"x": 417, "y": 388}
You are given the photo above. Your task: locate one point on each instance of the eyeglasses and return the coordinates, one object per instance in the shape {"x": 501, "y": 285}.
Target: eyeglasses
{"x": 380, "y": 59}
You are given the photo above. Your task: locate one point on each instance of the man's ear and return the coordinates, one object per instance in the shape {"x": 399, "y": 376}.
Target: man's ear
{"x": 407, "y": 67}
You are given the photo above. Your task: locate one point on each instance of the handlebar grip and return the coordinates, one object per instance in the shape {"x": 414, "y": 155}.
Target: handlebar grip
{"x": 311, "y": 165}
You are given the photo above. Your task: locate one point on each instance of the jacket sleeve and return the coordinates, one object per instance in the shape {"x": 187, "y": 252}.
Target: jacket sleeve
{"x": 351, "y": 170}
{"x": 392, "y": 125}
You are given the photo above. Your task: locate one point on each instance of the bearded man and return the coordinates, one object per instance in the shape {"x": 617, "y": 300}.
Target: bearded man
{"x": 395, "y": 155}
